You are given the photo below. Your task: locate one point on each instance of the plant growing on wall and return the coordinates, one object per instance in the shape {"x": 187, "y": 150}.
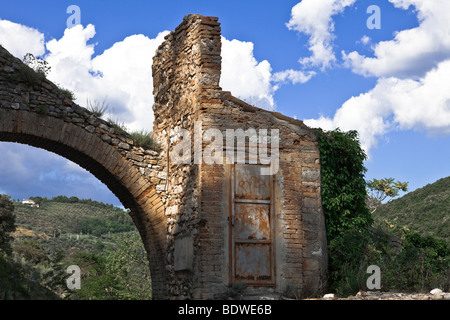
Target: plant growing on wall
{"x": 343, "y": 185}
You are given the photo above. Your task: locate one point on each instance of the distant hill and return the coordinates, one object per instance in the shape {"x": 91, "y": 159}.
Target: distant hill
{"x": 53, "y": 234}
{"x": 63, "y": 222}
{"x": 425, "y": 210}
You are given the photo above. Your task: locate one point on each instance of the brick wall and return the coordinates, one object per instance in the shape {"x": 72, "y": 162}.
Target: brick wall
{"x": 186, "y": 73}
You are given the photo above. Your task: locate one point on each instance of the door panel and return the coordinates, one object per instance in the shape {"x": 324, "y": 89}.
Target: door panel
{"x": 253, "y": 262}
{"x": 251, "y": 226}
{"x": 252, "y": 221}
{"x": 250, "y": 184}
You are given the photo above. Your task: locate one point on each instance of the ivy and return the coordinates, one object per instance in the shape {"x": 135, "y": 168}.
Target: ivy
{"x": 343, "y": 183}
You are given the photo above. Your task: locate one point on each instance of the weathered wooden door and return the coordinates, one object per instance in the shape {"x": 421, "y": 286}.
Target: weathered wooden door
{"x": 251, "y": 226}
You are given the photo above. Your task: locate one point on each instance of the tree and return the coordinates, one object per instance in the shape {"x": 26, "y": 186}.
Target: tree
{"x": 381, "y": 189}
{"x": 7, "y": 223}
{"x": 31, "y": 250}
{"x": 37, "y": 64}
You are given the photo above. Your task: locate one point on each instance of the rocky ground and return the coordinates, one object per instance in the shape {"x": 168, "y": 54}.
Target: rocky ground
{"x": 435, "y": 294}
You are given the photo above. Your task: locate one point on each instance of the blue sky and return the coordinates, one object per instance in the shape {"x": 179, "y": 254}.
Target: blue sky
{"x": 315, "y": 60}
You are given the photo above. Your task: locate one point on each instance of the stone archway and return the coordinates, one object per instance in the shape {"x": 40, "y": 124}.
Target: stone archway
{"x": 37, "y": 114}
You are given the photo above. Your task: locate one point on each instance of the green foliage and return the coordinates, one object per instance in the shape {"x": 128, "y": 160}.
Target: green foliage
{"x": 236, "y": 289}
{"x": 96, "y": 282}
{"x": 31, "y": 250}
{"x": 121, "y": 273}
{"x": 113, "y": 263}
{"x": 343, "y": 184}
{"x": 41, "y": 109}
{"x": 7, "y": 223}
{"x": 98, "y": 226}
{"x": 29, "y": 76}
{"x": 141, "y": 138}
{"x": 119, "y": 127}
{"x": 421, "y": 264}
{"x": 67, "y": 93}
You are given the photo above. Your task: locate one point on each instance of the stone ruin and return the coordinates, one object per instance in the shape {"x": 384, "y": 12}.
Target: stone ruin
{"x": 214, "y": 210}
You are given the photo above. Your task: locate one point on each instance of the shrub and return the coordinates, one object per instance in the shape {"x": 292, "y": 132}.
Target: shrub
{"x": 423, "y": 263}
{"x": 67, "y": 93}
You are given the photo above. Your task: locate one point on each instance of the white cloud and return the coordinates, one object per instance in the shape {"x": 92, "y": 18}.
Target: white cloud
{"x": 412, "y": 52}
{"x": 365, "y": 40}
{"x": 413, "y": 71}
{"x": 314, "y": 18}
{"x": 20, "y": 40}
{"x": 244, "y": 76}
{"x": 121, "y": 75}
{"x": 294, "y": 76}
{"x": 396, "y": 104}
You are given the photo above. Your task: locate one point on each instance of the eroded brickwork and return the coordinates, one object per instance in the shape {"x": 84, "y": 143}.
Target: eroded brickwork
{"x": 186, "y": 75}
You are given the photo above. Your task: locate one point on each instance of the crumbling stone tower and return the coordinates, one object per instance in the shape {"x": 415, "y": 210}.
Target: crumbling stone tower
{"x": 226, "y": 222}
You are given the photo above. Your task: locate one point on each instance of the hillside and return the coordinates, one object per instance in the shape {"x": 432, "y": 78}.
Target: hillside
{"x": 99, "y": 238}
{"x": 62, "y": 223}
{"x": 425, "y": 210}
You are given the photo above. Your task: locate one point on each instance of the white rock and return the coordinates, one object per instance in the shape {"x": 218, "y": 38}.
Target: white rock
{"x": 436, "y": 291}
{"x": 329, "y": 296}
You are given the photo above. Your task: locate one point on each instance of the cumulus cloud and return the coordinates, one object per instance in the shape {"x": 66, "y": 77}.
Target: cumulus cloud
{"x": 20, "y": 40}
{"x": 394, "y": 103}
{"x": 244, "y": 76}
{"x": 412, "y": 52}
{"x": 121, "y": 75}
{"x": 315, "y": 19}
{"x": 413, "y": 71}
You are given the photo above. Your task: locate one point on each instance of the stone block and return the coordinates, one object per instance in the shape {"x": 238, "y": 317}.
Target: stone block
{"x": 184, "y": 253}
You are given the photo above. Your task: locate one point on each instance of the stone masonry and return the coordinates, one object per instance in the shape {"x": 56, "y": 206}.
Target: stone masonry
{"x": 186, "y": 72}
{"x": 185, "y": 212}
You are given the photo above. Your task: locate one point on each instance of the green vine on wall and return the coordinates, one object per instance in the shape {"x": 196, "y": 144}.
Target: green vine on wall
{"x": 343, "y": 183}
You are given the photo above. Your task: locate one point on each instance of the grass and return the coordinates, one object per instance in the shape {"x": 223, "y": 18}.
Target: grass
{"x": 97, "y": 108}
{"x": 119, "y": 127}
{"x": 144, "y": 139}
{"x": 141, "y": 138}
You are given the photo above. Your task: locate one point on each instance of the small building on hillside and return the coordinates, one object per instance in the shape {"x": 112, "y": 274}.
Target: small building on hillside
{"x": 30, "y": 202}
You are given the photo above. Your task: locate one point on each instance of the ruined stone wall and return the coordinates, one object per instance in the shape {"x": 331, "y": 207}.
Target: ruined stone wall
{"x": 184, "y": 65}
{"x": 186, "y": 73}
